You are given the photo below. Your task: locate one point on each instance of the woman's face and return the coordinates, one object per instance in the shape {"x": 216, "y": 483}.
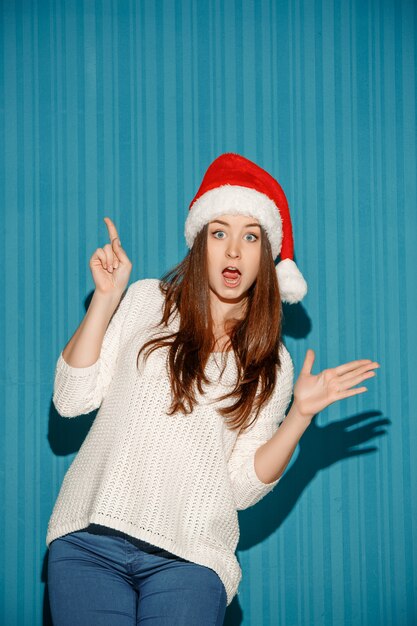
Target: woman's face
{"x": 234, "y": 242}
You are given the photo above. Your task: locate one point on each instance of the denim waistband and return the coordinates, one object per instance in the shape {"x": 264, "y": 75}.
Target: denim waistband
{"x": 98, "y": 529}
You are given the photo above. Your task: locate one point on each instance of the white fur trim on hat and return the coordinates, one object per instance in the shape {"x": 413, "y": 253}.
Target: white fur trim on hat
{"x": 292, "y": 286}
{"x": 235, "y": 200}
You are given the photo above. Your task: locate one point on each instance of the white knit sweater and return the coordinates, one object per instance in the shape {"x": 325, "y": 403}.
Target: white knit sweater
{"x": 173, "y": 481}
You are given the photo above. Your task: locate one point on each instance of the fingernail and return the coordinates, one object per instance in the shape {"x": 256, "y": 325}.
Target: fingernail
{"x": 110, "y": 268}
{"x": 120, "y": 243}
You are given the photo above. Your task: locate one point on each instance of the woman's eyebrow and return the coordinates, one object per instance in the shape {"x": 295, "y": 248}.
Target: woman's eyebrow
{"x": 226, "y": 224}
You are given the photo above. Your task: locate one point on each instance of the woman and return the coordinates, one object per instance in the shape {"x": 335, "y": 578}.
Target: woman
{"x": 192, "y": 380}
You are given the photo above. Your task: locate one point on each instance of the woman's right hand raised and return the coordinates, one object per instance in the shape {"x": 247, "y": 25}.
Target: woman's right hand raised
{"x": 110, "y": 265}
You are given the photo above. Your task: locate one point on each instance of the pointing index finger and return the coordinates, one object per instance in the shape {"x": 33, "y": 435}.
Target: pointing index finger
{"x": 113, "y": 234}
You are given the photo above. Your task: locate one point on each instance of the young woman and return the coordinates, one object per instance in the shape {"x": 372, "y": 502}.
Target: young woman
{"x": 193, "y": 382}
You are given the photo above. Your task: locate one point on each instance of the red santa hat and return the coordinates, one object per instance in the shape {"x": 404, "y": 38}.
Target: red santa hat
{"x": 235, "y": 185}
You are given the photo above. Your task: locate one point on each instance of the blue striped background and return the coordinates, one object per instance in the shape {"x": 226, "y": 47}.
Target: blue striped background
{"x": 117, "y": 108}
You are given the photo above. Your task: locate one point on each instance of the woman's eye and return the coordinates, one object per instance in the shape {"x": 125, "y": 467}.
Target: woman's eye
{"x": 220, "y": 234}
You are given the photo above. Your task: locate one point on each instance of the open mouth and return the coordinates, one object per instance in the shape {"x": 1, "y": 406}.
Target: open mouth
{"x": 231, "y": 276}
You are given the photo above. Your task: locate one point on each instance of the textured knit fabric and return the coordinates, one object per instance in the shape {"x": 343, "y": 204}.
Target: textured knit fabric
{"x": 174, "y": 481}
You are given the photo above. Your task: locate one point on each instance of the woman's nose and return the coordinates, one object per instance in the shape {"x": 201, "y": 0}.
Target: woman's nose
{"x": 233, "y": 251}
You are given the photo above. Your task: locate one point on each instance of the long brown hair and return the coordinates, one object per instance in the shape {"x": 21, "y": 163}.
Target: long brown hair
{"x": 255, "y": 339}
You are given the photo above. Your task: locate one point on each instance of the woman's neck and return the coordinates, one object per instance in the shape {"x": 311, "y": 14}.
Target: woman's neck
{"x": 221, "y": 340}
{"x": 222, "y": 311}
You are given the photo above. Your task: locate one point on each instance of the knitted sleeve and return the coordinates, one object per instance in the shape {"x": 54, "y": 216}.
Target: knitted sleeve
{"x": 79, "y": 390}
{"x": 247, "y": 488}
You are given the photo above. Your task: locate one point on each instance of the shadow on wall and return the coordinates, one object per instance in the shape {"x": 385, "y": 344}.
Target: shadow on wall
{"x": 318, "y": 449}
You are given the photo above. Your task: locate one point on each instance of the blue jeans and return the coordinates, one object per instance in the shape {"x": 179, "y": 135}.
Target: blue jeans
{"x": 105, "y": 580}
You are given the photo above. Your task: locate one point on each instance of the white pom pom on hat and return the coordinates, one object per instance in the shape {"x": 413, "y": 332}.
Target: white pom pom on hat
{"x": 234, "y": 185}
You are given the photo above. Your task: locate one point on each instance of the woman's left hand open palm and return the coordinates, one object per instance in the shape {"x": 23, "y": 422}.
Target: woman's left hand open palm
{"x": 313, "y": 393}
